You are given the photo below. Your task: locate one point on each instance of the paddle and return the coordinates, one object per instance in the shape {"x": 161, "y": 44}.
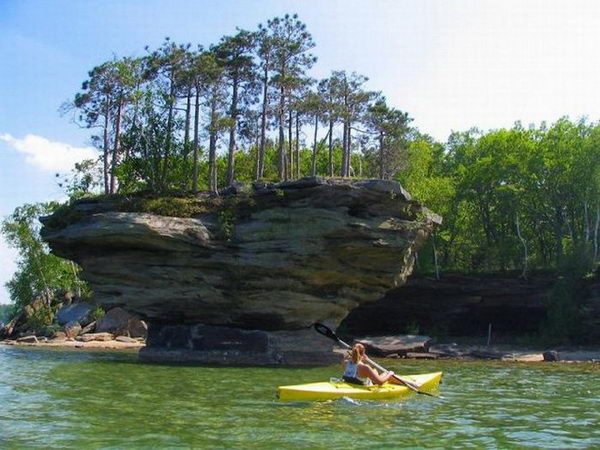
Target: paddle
{"x": 327, "y": 332}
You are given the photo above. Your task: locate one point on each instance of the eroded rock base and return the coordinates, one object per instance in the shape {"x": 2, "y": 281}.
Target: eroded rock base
{"x": 206, "y": 344}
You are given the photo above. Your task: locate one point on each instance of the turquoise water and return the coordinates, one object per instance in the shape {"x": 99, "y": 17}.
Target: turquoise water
{"x": 72, "y": 399}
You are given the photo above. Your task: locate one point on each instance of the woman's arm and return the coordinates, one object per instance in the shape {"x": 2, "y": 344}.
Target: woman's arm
{"x": 367, "y": 371}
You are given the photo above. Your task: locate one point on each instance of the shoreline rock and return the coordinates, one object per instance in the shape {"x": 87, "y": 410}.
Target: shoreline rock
{"x": 59, "y": 343}
{"x": 399, "y": 345}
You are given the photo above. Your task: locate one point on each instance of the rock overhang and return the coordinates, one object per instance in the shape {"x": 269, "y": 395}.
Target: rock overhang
{"x": 303, "y": 251}
{"x": 269, "y": 257}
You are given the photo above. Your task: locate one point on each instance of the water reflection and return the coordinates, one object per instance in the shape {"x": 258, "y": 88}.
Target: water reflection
{"x": 76, "y": 399}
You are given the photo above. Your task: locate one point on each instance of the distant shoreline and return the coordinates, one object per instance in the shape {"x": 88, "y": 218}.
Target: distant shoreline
{"x": 466, "y": 353}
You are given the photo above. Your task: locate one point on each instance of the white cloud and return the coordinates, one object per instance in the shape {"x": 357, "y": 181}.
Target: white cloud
{"x": 48, "y": 155}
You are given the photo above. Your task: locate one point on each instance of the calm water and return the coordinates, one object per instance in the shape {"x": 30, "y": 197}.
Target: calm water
{"x": 51, "y": 399}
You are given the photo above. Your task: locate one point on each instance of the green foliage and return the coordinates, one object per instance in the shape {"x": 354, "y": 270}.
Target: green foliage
{"x": 97, "y": 313}
{"x": 7, "y": 312}
{"x": 485, "y": 184}
{"x": 84, "y": 180}
{"x": 226, "y": 223}
{"x": 568, "y": 318}
{"x": 40, "y": 318}
{"x": 38, "y": 271}
{"x": 63, "y": 216}
{"x": 171, "y": 206}
{"x": 49, "y": 330}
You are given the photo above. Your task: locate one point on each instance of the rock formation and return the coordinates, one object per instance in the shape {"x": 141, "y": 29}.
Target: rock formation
{"x": 458, "y": 305}
{"x": 260, "y": 263}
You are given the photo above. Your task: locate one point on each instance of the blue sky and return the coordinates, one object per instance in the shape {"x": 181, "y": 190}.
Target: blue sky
{"x": 450, "y": 64}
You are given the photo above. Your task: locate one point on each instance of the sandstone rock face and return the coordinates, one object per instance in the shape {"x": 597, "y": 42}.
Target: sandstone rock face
{"x": 457, "y": 305}
{"x": 295, "y": 253}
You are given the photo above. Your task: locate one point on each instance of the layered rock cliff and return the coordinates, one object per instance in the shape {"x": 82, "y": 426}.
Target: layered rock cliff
{"x": 273, "y": 258}
{"x": 458, "y": 305}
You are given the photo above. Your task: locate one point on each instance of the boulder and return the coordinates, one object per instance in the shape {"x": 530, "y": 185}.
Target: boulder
{"x": 400, "y": 345}
{"x": 95, "y": 337}
{"x": 59, "y": 335}
{"x": 126, "y": 339}
{"x": 137, "y": 328}
{"x": 72, "y": 329}
{"x": 551, "y": 355}
{"x": 78, "y": 312}
{"x": 115, "y": 321}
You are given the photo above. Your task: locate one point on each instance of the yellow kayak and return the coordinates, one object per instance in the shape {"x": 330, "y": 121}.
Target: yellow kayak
{"x": 329, "y": 390}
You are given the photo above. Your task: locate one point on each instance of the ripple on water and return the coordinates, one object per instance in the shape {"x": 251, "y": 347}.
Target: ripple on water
{"x": 72, "y": 399}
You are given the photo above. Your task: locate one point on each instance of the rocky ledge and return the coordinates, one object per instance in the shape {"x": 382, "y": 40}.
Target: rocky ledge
{"x": 242, "y": 276}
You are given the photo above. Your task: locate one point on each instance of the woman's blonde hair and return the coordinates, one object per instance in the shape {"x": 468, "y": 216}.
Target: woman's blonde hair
{"x": 358, "y": 352}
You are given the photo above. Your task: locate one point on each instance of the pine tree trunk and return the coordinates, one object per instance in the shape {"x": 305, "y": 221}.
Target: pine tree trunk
{"x": 170, "y": 116}
{"x": 349, "y": 151}
{"x": 133, "y": 125}
{"x": 281, "y": 163}
{"x": 314, "y": 155}
{"x": 298, "y": 171}
{"x": 290, "y": 165}
{"x": 106, "y": 148}
{"x": 115, "y": 155}
{"x": 188, "y": 119}
{"x": 381, "y": 159}
{"x": 344, "y": 149}
{"x": 212, "y": 149}
{"x": 196, "y": 142}
{"x": 331, "y": 148}
{"x": 232, "y": 130}
{"x": 260, "y": 157}
{"x": 212, "y": 162}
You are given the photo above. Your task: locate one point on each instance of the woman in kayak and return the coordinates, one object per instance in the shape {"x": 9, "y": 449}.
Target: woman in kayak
{"x": 357, "y": 372}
